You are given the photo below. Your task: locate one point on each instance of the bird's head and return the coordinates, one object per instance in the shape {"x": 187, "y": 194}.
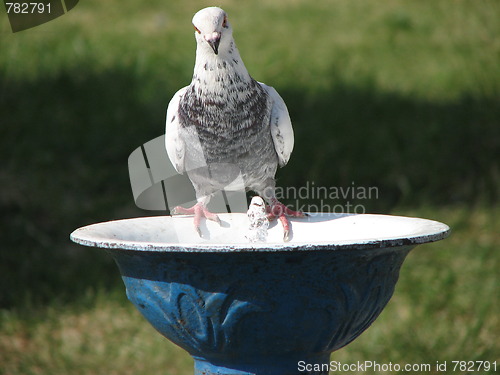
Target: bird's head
{"x": 212, "y": 29}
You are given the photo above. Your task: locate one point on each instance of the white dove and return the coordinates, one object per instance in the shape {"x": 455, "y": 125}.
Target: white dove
{"x": 226, "y": 125}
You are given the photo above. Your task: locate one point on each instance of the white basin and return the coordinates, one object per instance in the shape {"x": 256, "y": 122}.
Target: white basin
{"x": 316, "y": 232}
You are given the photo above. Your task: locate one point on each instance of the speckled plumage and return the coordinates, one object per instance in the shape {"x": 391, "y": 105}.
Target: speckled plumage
{"x": 225, "y": 124}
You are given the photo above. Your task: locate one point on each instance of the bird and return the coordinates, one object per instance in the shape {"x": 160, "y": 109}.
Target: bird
{"x": 225, "y": 126}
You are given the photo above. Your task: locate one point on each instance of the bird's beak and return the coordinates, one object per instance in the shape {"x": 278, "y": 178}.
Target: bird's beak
{"x": 214, "y": 40}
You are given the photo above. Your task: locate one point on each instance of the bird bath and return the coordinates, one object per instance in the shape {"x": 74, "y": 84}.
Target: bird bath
{"x": 271, "y": 308}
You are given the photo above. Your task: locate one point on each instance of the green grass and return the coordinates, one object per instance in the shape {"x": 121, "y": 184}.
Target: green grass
{"x": 101, "y": 335}
{"x": 400, "y": 95}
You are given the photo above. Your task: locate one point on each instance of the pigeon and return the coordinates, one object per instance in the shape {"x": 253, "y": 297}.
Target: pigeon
{"x": 225, "y": 128}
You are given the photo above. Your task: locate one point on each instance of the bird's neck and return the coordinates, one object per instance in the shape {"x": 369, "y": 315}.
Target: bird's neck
{"x": 219, "y": 71}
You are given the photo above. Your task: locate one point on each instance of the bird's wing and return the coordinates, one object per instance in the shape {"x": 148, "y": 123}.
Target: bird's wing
{"x": 281, "y": 126}
{"x": 173, "y": 142}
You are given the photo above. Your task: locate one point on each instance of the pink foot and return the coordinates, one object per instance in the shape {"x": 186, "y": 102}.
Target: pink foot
{"x": 198, "y": 210}
{"x": 280, "y": 211}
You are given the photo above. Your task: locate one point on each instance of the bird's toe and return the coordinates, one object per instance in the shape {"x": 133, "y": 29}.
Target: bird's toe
{"x": 212, "y": 217}
{"x": 198, "y": 230}
{"x": 286, "y": 235}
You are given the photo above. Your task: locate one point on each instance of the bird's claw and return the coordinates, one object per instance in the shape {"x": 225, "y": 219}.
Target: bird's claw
{"x": 278, "y": 210}
{"x": 179, "y": 210}
{"x": 198, "y": 230}
{"x": 198, "y": 210}
{"x": 211, "y": 216}
{"x": 286, "y": 235}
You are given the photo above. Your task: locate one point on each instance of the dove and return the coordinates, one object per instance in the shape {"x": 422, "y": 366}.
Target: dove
{"x": 225, "y": 126}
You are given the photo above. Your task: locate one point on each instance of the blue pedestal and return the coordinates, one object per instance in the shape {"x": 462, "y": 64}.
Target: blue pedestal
{"x": 261, "y": 313}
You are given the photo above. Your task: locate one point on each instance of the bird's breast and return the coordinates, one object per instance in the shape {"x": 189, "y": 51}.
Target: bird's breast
{"x": 231, "y": 125}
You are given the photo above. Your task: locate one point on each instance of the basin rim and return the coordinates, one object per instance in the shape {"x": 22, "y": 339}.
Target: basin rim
{"x": 430, "y": 231}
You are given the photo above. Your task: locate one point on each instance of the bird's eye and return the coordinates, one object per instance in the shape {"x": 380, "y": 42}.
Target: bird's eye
{"x": 197, "y": 30}
{"x": 224, "y": 23}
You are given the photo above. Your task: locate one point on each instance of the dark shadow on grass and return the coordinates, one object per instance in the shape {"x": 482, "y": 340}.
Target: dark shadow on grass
{"x": 66, "y": 140}
{"x": 65, "y": 144}
{"x": 414, "y": 152}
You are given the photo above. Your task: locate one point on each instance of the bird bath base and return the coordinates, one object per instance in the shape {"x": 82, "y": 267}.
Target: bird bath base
{"x": 243, "y": 308}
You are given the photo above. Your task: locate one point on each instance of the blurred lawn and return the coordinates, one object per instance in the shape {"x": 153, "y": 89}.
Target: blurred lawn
{"x": 400, "y": 95}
